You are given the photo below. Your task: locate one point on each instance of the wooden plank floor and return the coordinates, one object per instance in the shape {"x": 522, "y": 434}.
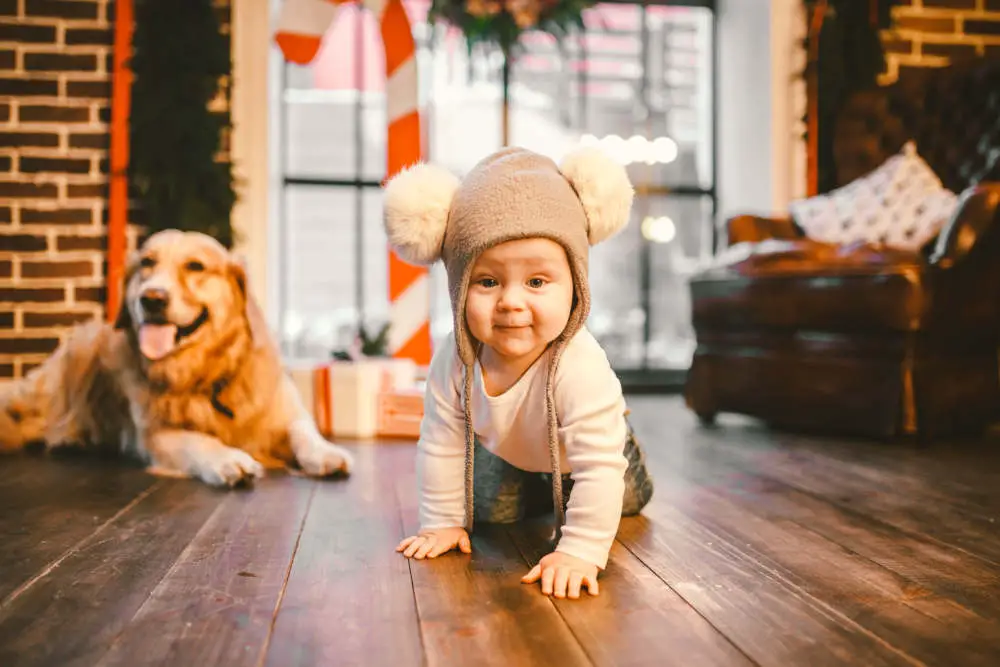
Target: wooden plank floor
{"x": 759, "y": 548}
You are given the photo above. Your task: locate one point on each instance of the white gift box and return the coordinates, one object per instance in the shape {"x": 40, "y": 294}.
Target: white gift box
{"x": 344, "y": 395}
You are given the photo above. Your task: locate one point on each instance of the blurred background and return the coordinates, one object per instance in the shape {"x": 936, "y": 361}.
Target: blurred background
{"x": 637, "y": 81}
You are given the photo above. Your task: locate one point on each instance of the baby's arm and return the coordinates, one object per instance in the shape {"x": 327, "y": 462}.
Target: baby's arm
{"x": 441, "y": 463}
{"x": 591, "y": 412}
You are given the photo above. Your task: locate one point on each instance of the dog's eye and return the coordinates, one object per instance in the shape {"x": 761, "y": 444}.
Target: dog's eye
{"x": 195, "y": 266}
{"x": 147, "y": 262}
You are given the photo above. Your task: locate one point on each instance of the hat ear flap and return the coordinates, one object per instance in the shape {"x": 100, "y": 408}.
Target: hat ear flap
{"x": 604, "y": 190}
{"x": 417, "y": 203}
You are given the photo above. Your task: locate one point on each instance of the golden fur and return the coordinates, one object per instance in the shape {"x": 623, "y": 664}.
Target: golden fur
{"x": 218, "y": 407}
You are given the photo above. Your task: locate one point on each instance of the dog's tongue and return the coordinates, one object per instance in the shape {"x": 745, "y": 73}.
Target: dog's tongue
{"x": 157, "y": 340}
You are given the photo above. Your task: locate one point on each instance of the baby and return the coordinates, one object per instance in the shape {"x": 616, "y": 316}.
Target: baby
{"x": 521, "y": 371}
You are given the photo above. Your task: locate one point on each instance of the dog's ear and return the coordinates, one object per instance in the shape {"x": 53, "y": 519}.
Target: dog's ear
{"x": 124, "y": 319}
{"x": 255, "y": 318}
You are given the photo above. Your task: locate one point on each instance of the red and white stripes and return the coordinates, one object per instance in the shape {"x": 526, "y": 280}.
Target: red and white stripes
{"x": 300, "y": 30}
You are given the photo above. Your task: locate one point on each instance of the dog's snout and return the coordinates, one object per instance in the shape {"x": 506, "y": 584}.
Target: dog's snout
{"x": 154, "y": 300}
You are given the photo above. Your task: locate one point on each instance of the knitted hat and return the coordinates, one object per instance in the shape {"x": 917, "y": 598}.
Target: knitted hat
{"x": 509, "y": 195}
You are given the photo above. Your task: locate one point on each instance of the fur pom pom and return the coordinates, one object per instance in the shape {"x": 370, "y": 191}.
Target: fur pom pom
{"x": 417, "y": 202}
{"x": 604, "y": 190}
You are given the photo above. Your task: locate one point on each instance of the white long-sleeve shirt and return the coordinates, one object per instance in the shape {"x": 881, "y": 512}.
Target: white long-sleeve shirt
{"x": 513, "y": 425}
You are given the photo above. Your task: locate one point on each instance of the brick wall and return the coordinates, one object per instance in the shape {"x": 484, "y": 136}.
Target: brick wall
{"x": 55, "y": 91}
{"x": 934, "y": 33}
{"x": 54, "y": 111}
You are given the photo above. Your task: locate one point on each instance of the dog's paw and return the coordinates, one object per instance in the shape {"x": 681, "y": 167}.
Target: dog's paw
{"x": 230, "y": 467}
{"x": 322, "y": 459}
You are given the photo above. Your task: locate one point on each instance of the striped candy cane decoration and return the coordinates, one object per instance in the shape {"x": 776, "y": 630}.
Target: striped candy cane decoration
{"x": 301, "y": 26}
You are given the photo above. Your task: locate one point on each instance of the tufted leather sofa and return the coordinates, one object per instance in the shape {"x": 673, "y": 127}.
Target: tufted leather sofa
{"x": 864, "y": 339}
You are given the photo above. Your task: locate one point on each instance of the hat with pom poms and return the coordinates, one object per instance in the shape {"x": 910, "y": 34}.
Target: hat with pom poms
{"x": 512, "y": 194}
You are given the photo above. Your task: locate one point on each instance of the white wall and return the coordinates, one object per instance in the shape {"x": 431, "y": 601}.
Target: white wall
{"x": 252, "y": 56}
{"x": 761, "y": 157}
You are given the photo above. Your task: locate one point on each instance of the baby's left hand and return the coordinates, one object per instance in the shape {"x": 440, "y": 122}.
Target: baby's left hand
{"x": 562, "y": 575}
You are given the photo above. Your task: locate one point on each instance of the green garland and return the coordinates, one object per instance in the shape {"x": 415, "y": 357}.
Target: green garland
{"x": 179, "y": 57}
{"x": 497, "y": 21}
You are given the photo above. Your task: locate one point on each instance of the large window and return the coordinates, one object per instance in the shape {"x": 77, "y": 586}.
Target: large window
{"x": 637, "y": 80}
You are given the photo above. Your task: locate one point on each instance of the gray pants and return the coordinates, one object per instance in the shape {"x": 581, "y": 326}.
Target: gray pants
{"x": 505, "y": 494}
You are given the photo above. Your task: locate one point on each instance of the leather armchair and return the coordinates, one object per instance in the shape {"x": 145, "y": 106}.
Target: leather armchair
{"x": 865, "y": 339}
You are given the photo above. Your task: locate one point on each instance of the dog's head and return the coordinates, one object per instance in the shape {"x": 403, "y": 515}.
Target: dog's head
{"x": 183, "y": 290}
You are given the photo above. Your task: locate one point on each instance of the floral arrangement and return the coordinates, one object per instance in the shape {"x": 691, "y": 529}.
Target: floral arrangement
{"x": 502, "y": 22}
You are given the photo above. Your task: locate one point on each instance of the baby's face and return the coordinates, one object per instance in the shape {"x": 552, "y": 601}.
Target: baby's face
{"x": 520, "y": 296}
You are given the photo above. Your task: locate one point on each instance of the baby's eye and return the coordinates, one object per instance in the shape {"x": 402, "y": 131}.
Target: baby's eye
{"x": 486, "y": 282}
{"x": 536, "y": 283}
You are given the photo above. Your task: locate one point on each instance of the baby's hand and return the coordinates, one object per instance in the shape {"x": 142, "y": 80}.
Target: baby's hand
{"x": 433, "y": 543}
{"x": 562, "y": 575}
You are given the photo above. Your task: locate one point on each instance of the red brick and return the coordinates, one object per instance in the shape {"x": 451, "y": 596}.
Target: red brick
{"x": 28, "y": 345}
{"x": 54, "y": 319}
{"x": 64, "y": 243}
{"x": 14, "y": 85}
{"x": 950, "y": 4}
{"x": 88, "y": 89}
{"x": 97, "y": 190}
{"x": 98, "y": 140}
{"x": 927, "y": 24}
{"x": 90, "y": 294}
{"x": 32, "y": 294}
{"x": 50, "y": 113}
{"x": 46, "y": 269}
{"x": 18, "y": 190}
{"x": 61, "y": 9}
{"x": 59, "y": 216}
{"x": 54, "y": 165}
{"x": 89, "y": 36}
{"x": 980, "y": 27}
{"x": 23, "y": 243}
{"x": 27, "y": 139}
{"x": 27, "y": 34}
{"x": 954, "y": 51}
{"x": 60, "y": 62}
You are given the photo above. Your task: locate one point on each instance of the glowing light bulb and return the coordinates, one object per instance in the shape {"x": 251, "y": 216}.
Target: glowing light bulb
{"x": 659, "y": 229}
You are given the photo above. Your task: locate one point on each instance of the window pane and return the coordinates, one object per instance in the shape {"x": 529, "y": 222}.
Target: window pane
{"x": 616, "y": 314}
{"x": 678, "y": 231}
{"x": 322, "y": 100}
{"x": 318, "y": 269}
{"x": 636, "y": 81}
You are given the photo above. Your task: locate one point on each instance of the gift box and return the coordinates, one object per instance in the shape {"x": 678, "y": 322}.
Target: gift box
{"x": 400, "y": 413}
{"x": 344, "y": 395}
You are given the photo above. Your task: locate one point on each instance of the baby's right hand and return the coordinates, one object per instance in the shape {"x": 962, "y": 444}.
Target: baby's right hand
{"x": 433, "y": 543}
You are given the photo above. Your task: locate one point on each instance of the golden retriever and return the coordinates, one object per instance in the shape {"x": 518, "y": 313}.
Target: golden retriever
{"x": 188, "y": 379}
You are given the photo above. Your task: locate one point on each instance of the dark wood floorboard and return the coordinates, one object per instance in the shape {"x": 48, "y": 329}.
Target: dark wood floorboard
{"x": 349, "y": 598}
{"x": 637, "y": 619}
{"x": 216, "y": 604}
{"x": 474, "y": 605}
{"x": 759, "y": 548}
{"x": 70, "y": 615}
{"x": 49, "y": 505}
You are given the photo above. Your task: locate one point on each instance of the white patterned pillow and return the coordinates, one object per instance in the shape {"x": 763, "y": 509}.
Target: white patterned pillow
{"x": 901, "y": 204}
